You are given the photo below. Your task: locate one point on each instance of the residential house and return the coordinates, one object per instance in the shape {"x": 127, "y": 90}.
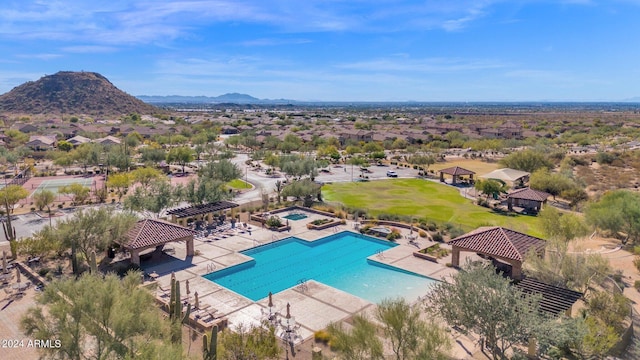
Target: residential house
{"x": 41, "y": 142}
{"x": 355, "y": 135}
{"x": 108, "y": 140}
{"x": 78, "y": 140}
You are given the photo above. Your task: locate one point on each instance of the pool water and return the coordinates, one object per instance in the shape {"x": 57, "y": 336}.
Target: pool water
{"x": 295, "y": 217}
{"x": 339, "y": 260}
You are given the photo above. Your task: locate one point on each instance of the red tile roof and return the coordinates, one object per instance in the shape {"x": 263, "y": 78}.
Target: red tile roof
{"x": 148, "y": 232}
{"x": 456, "y": 171}
{"x": 529, "y": 194}
{"x": 499, "y": 242}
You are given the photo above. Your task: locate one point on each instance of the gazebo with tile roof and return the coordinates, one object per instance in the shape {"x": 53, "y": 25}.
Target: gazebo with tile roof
{"x": 150, "y": 233}
{"x": 527, "y": 198}
{"x": 497, "y": 243}
{"x": 456, "y": 172}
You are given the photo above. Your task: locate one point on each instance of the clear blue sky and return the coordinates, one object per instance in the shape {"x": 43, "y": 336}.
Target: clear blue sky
{"x": 350, "y": 50}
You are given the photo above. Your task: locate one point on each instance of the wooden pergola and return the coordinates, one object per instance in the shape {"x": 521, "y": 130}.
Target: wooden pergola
{"x": 497, "y": 243}
{"x": 150, "y": 233}
{"x": 201, "y": 212}
{"x": 456, "y": 173}
{"x": 555, "y": 300}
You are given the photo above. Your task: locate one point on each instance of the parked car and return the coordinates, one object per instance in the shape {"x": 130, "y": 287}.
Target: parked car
{"x": 391, "y": 173}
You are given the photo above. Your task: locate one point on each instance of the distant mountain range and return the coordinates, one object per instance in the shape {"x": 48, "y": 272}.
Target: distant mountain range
{"x": 234, "y": 98}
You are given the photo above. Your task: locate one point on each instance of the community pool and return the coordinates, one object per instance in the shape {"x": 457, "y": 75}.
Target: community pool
{"x": 339, "y": 260}
{"x": 295, "y": 216}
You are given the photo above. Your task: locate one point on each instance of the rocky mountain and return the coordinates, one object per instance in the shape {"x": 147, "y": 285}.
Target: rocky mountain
{"x": 69, "y": 92}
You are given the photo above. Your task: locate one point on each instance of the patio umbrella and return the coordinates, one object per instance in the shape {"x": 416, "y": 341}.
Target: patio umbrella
{"x": 17, "y": 274}
{"x": 196, "y": 302}
{"x": 288, "y": 311}
{"x": 270, "y": 304}
{"x": 187, "y": 286}
{"x": 4, "y": 262}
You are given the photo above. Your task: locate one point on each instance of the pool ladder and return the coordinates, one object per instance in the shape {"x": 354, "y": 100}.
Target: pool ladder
{"x": 211, "y": 267}
{"x": 380, "y": 253}
{"x": 302, "y": 285}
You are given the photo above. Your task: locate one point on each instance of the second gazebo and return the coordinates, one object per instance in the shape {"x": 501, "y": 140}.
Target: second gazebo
{"x": 456, "y": 173}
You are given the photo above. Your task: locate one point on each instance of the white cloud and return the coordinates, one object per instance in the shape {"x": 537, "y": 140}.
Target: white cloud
{"x": 43, "y": 56}
{"x": 150, "y": 21}
{"x": 427, "y": 65}
{"x": 89, "y": 49}
{"x": 274, "y": 42}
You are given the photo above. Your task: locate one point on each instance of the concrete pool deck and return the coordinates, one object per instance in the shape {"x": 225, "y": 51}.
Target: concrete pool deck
{"x": 314, "y": 305}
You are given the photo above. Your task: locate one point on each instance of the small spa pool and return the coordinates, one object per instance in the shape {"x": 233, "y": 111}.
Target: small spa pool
{"x": 295, "y": 216}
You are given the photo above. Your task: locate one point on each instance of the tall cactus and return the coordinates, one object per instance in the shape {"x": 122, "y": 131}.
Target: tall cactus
{"x": 172, "y": 297}
{"x": 177, "y": 304}
{"x": 210, "y": 346}
{"x": 94, "y": 264}
{"x": 10, "y": 236}
{"x": 176, "y": 315}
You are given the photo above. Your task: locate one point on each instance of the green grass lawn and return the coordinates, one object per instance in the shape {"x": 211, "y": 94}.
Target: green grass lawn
{"x": 423, "y": 199}
{"x": 238, "y": 184}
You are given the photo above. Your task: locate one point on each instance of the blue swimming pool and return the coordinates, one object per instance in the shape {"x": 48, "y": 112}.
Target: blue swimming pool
{"x": 339, "y": 260}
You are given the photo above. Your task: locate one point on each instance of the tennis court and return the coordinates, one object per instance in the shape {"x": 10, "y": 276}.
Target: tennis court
{"x": 55, "y": 185}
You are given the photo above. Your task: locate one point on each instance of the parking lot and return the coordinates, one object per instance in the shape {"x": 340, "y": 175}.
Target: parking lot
{"x": 342, "y": 173}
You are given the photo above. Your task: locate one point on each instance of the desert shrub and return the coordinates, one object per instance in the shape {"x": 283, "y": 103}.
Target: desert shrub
{"x": 273, "y": 222}
{"x": 437, "y": 237}
{"x": 605, "y": 158}
{"x": 580, "y": 161}
{"x": 422, "y": 233}
{"x": 611, "y": 309}
{"x": 482, "y": 202}
{"x": 436, "y": 251}
{"x": 395, "y": 234}
{"x": 43, "y": 271}
{"x": 456, "y": 231}
{"x": 320, "y": 221}
{"x": 322, "y": 336}
{"x": 636, "y": 284}
{"x": 636, "y": 262}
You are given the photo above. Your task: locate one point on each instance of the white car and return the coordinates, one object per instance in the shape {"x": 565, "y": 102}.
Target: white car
{"x": 392, "y": 173}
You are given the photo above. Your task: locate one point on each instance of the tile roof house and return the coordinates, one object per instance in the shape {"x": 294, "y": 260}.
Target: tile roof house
{"x": 150, "y": 233}
{"x": 27, "y": 128}
{"x": 41, "y": 142}
{"x": 108, "y": 140}
{"x": 506, "y": 245}
{"x": 78, "y": 140}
